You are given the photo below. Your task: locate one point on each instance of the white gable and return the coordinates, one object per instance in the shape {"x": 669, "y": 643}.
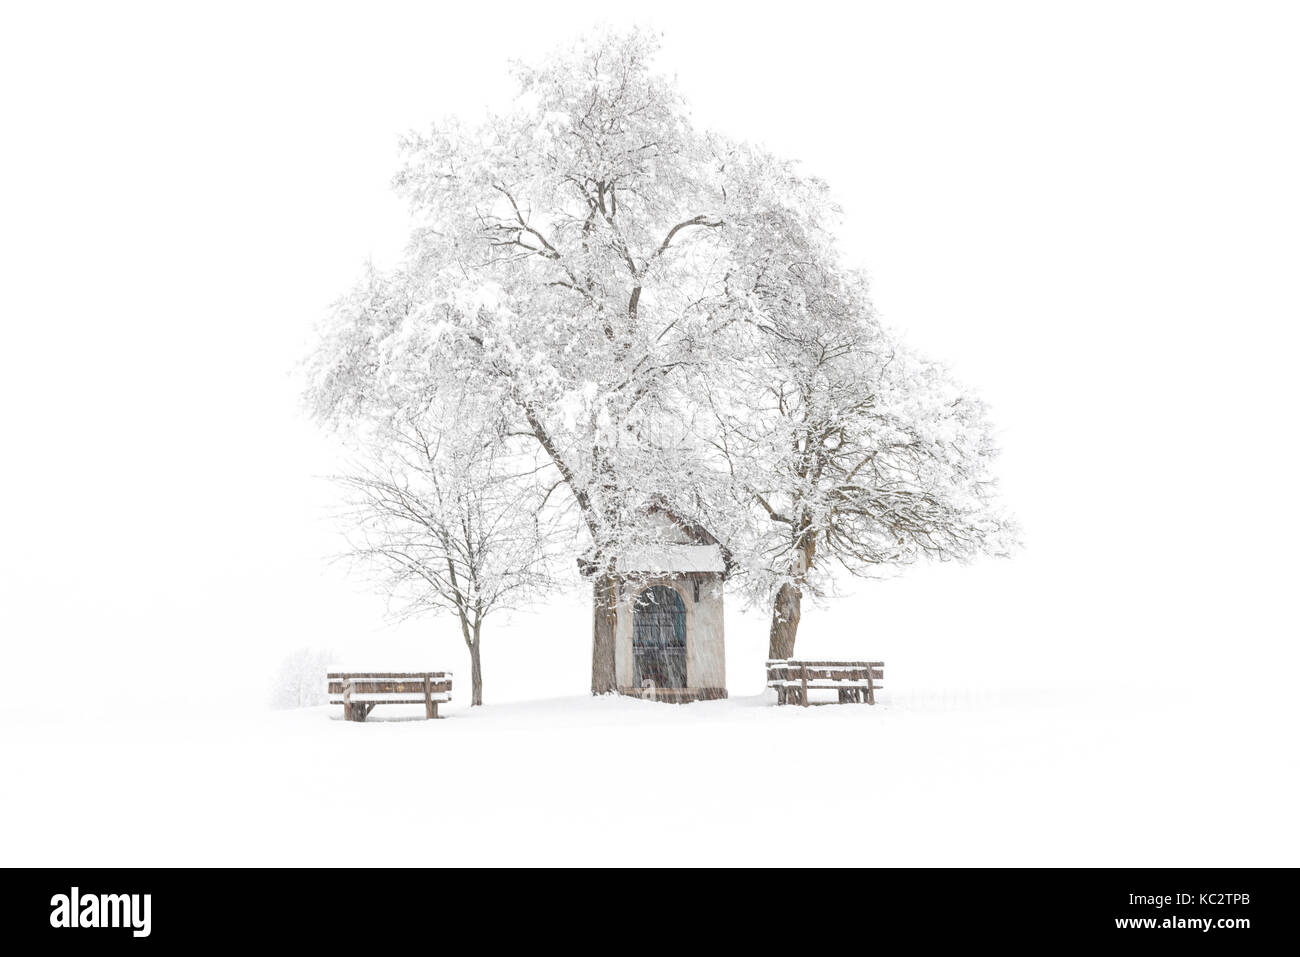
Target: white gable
{"x": 670, "y": 559}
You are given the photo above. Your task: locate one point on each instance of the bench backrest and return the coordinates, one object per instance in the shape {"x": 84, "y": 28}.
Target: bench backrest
{"x": 389, "y": 682}
{"x": 793, "y": 670}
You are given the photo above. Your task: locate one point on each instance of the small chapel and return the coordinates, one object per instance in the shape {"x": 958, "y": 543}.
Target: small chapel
{"x": 669, "y": 634}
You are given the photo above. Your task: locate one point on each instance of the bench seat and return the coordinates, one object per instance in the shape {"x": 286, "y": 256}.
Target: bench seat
{"x": 826, "y": 683}
{"x": 380, "y": 698}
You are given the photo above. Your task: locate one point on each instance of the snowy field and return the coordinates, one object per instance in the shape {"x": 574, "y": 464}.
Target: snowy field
{"x": 1152, "y": 728}
{"x": 957, "y": 778}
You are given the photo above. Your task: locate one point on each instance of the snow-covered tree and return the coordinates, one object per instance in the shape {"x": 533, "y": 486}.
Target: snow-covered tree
{"x": 301, "y": 680}
{"x": 447, "y": 521}
{"x": 843, "y": 448}
{"x": 571, "y": 263}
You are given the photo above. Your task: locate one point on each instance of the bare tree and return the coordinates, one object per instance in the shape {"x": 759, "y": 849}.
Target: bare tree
{"x": 447, "y": 521}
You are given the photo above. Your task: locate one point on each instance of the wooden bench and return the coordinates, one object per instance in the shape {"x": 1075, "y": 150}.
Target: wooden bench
{"x": 854, "y": 680}
{"x": 359, "y": 693}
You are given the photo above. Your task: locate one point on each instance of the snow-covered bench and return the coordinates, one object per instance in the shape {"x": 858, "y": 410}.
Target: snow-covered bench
{"x": 854, "y": 680}
{"x": 359, "y": 693}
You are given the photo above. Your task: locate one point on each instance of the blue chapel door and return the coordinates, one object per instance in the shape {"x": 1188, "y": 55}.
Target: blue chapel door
{"x": 659, "y": 638}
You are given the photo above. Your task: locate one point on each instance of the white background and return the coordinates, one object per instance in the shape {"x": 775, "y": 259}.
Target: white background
{"x": 1089, "y": 210}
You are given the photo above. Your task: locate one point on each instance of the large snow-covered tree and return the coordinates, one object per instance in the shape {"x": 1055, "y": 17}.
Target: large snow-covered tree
{"x": 572, "y": 261}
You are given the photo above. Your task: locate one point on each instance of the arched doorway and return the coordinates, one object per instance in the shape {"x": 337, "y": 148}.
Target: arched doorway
{"x": 659, "y": 638}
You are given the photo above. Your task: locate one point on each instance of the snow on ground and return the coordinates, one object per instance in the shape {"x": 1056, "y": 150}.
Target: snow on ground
{"x": 1135, "y": 716}
{"x": 1069, "y": 776}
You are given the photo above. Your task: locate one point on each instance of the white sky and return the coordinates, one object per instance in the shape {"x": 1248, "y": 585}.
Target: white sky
{"x": 1089, "y": 210}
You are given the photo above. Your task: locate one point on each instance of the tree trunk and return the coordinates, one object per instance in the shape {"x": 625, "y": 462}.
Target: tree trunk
{"x": 785, "y": 622}
{"x": 475, "y": 672}
{"x": 604, "y": 621}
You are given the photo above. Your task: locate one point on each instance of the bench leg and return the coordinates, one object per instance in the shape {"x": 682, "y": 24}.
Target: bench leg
{"x": 433, "y": 709}
{"x": 355, "y": 710}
